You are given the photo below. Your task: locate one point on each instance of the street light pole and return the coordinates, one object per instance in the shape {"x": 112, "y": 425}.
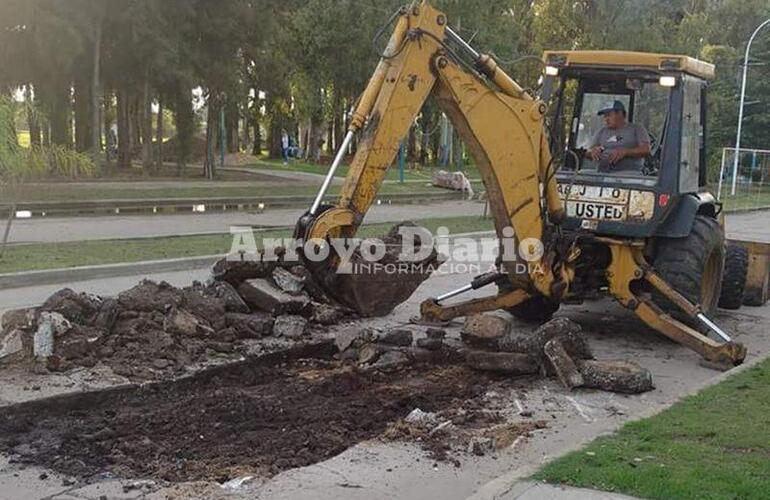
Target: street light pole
{"x": 743, "y": 102}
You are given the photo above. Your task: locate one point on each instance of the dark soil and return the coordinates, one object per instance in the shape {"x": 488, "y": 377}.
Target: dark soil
{"x": 268, "y": 415}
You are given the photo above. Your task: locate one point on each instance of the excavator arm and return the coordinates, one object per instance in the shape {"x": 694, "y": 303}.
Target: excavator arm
{"x": 504, "y": 129}
{"x": 500, "y": 123}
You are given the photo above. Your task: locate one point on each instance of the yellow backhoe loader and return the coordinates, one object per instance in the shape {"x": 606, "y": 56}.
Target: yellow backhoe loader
{"x": 654, "y": 240}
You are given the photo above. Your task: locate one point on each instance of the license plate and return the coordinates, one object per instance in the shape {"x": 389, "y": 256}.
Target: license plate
{"x": 598, "y": 203}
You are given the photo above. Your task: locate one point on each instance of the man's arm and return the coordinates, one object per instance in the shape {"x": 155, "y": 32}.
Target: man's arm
{"x": 642, "y": 149}
{"x": 594, "y": 147}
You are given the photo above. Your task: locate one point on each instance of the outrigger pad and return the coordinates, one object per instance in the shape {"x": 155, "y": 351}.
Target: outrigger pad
{"x": 377, "y": 288}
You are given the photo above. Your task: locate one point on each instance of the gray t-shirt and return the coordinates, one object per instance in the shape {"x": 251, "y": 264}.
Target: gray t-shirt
{"x": 628, "y": 136}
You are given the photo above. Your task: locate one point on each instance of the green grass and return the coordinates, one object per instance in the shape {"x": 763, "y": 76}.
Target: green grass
{"x": 714, "y": 445}
{"x": 88, "y": 253}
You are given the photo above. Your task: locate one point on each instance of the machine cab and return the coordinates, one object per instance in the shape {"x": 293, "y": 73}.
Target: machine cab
{"x": 663, "y": 98}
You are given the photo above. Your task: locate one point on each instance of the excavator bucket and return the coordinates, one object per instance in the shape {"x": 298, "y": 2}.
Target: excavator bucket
{"x": 758, "y": 275}
{"x": 375, "y": 288}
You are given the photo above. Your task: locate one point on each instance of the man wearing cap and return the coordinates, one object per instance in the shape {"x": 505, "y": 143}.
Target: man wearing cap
{"x": 619, "y": 146}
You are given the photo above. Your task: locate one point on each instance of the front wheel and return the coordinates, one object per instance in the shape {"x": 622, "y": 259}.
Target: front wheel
{"x": 693, "y": 267}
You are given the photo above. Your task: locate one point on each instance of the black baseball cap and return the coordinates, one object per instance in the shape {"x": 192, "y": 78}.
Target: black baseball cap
{"x": 614, "y": 106}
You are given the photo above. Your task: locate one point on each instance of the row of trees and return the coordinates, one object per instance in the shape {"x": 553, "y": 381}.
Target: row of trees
{"x": 267, "y": 66}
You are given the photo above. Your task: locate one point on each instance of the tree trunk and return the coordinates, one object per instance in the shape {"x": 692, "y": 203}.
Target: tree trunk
{"x": 457, "y": 151}
{"x": 159, "y": 136}
{"x": 146, "y": 114}
{"x": 212, "y": 137}
{"x": 83, "y": 114}
{"x": 257, "y": 149}
{"x": 232, "y": 117}
{"x": 96, "y": 133}
{"x": 184, "y": 119}
{"x": 60, "y": 111}
{"x": 124, "y": 130}
{"x": 32, "y": 117}
{"x": 412, "y": 144}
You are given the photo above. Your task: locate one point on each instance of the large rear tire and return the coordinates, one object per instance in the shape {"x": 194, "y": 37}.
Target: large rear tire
{"x": 734, "y": 277}
{"x": 693, "y": 267}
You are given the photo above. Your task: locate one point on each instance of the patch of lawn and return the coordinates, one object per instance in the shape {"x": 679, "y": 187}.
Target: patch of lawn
{"x": 89, "y": 253}
{"x": 714, "y": 445}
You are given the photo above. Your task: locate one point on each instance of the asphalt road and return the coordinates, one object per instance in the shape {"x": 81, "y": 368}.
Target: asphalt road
{"x": 53, "y": 230}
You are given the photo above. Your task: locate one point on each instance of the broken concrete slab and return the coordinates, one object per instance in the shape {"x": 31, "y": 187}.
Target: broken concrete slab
{"x": 562, "y": 364}
{"x": 287, "y": 281}
{"x": 355, "y": 337}
{"x": 485, "y": 330}
{"x": 369, "y": 353}
{"x": 391, "y": 359}
{"x": 227, "y": 292}
{"x": 502, "y": 362}
{"x": 49, "y": 326}
{"x": 398, "y": 337}
{"x": 430, "y": 344}
{"x": 11, "y": 346}
{"x": 149, "y": 296}
{"x": 616, "y": 376}
{"x": 290, "y": 327}
{"x": 250, "y": 326}
{"x": 262, "y": 294}
{"x": 236, "y": 272}
{"x": 571, "y": 334}
{"x": 18, "y": 319}
{"x": 183, "y": 322}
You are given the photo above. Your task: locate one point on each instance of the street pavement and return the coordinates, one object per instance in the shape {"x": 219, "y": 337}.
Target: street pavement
{"x": 63, "y": 229}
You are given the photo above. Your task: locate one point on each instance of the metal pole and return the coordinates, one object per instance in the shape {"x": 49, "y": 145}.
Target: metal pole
{"x": 743, "y": 102}
{"x": 11, "y": 215}
{"x": 722, "y": 174}
{"x": 222, "y": 135}
{"x": 401, "y": 162}
{"x": 330, "y": 176}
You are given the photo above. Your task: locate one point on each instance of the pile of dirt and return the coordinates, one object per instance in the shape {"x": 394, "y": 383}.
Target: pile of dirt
{"x": 263, "y": 416}
{"x": 155, "y": 330}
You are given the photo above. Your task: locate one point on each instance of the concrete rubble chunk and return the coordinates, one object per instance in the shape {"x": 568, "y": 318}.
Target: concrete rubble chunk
{"x": 484, "y": 330}
{"x": 226, "y": 292}
{"x": 287, "y": 281}
{"x": 399, "y": 337}
{"x": 430, "y": 344}
{"x": 502, "y": 362}
{"x": 250, "y": 326}
{"x": 183, "y": 322}
{"x": 236, "y": 272}
{"x": 107, "y": 315}
{"x": 369, "y": 353}
{"x": 391, "y": 359}
{"x": 481, "y": 446}
{"x": 49, "y": 326}
{"x": 355, "y": 337}
{"x": 325, "y": 314}
{"x": 290, "y": 327}
{"x": 570, "y": 333}
{"x": 76, "y": 307}
{"x": 18, "y": 319}
{"x": 149, "y": 296}
{"x": 562, "y": 364}
{"x": 11, "y": 346}
{"x": 616, "y": 376}
{"x": 435, "y": 333}
{"x": 423, "y": 418}
{"x": 265, "y": 296}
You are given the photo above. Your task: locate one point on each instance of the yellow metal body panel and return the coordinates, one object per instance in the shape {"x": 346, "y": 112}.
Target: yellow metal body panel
{"x": 630, "y": 60}
{"x": 758, "y": 276}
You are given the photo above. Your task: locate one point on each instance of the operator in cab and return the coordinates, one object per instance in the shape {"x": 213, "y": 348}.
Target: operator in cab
{"x": 619, "y": 147}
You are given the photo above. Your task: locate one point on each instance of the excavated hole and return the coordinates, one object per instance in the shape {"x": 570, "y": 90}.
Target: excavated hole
{"x": 265, "y": 415}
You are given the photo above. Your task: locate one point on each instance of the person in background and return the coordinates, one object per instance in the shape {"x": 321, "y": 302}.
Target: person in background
{"x": 619, "y": 146}
{"x": 285, "y": 146}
